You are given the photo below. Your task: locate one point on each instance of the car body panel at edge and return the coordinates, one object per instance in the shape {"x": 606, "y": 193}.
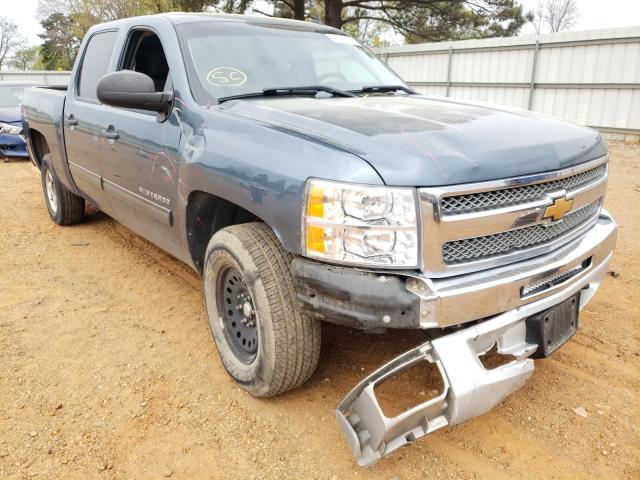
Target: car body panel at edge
{"x": 13, "y": 145}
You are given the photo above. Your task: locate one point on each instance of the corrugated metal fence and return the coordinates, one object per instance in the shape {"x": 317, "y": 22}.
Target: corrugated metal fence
{"x": 591, "y": 78}
{"x": 46, "y": 77}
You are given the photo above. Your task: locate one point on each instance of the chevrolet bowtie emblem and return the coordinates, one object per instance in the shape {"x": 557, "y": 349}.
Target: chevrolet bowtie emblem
{"x": 558, "y": 208}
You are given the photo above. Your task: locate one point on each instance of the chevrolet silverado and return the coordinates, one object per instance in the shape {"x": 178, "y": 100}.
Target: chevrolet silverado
{"x": 306, "y": 182}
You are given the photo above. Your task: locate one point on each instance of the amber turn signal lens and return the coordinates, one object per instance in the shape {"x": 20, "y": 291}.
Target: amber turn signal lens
{"x": 315, "y": 239}
{"x": 315, "y": 205}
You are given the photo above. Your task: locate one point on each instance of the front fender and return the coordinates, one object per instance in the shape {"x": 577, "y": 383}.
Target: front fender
{"x": 261, "y": 168}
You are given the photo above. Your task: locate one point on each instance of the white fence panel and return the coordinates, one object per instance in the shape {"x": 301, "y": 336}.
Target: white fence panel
{"x": 46, "y": 77}
{"x": 421, "y": 68}
{"x": 591, "y": 78}
{"x": 511, "y": 97}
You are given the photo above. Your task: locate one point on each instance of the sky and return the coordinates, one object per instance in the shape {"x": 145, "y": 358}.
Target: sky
{"x": 593, "y": 14}
{"x": 597, "y": 14}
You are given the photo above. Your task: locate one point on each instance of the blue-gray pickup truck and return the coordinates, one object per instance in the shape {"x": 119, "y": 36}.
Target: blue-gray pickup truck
{"x": 306, "y": 182}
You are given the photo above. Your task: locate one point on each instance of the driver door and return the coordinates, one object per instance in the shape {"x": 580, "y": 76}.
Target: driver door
{"x": 140, "y": 151}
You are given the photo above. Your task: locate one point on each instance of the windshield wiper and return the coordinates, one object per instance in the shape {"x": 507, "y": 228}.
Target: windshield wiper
{"x": 385, "y": 88}
{"x": 336, "y": 92}
{"x": 283, "y": 91}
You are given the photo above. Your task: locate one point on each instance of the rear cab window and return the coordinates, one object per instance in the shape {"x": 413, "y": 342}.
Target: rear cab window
{"x": 96, "y": 61}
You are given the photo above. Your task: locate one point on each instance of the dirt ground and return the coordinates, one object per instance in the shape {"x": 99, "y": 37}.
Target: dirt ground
{"x": 108, "y": 370}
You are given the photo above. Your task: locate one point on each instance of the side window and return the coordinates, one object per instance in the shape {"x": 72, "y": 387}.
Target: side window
{"x": 145, "y": 54}
{"x": 95, "y": 63}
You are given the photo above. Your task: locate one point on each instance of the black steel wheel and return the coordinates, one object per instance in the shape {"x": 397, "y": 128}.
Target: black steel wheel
{"x": 265, "y": 341}
{"x": 238, "y": 314}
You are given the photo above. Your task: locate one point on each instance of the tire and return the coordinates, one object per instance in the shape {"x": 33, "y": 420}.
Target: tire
{"x": 64, "y": 207}
{"x": 246, "y": 264}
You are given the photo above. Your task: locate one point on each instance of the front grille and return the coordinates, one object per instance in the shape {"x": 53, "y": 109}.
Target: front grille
{"x": 553, "y": 280}
{"x": 512, "y": 196}
{"x": 498, "y": 244}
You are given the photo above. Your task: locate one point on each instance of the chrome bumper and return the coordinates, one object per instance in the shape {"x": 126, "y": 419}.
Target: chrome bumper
{"x": 469, "y": 388}
{"x": 455, "y": 300}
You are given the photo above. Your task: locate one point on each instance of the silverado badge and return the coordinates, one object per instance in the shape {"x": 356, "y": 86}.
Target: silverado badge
{"x": 558, "y": 208}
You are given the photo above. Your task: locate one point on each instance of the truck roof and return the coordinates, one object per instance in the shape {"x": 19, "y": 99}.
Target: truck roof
{"x": 183, "y": 17}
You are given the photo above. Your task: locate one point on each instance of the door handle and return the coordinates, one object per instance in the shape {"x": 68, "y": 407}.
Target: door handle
{"x": 71, "y": 120}
{"x": 110, "y": 133}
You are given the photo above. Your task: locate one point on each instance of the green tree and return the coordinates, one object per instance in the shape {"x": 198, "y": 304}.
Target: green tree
{"x": 83, "y": 14}
{"x": 231, "y": 6}
{"x": 296, "y": 9}
{"x": 415, "y": 20}
{"x": 26, "y": 58}
{"x": 431, "y": 20}
{"x": 60, "y": 45}
{"x": 367, "y": 31}
{"x": 367, "y": 20}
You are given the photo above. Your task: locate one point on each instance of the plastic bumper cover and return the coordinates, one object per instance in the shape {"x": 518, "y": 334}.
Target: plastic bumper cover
{"x": 13, "y": 146}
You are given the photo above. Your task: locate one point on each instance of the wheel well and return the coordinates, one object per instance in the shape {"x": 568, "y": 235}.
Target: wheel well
{"x": 39, "y": 146}
{"x": 206, "y": 214}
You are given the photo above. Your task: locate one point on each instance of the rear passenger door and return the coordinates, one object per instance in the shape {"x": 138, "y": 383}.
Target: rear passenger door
{"x": 140, "y": 150}
{"x": 82, "y": 112}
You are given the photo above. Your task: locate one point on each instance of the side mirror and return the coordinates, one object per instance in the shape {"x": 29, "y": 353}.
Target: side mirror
{"x": 129, "y": 89}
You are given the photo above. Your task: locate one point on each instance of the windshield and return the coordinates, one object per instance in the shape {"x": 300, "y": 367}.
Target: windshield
{"x": 232, "y": 58}
{"x": 11, "y": 96}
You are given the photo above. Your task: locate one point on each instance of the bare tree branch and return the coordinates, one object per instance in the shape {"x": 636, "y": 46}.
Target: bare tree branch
{"x": 556, "y": 15}
{"x": 256, "y": 10}
{"x": 10, "y": 39}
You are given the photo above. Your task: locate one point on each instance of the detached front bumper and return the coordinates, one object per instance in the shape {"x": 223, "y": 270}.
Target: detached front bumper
{"x": 470, "y": 389}
{"x": 13, "y": 146}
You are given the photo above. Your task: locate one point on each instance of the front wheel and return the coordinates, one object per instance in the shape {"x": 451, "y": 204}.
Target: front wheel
{"x": 264, "y": 340}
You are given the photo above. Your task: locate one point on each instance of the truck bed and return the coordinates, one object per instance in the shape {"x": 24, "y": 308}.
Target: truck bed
{"x": 43, "y": 110}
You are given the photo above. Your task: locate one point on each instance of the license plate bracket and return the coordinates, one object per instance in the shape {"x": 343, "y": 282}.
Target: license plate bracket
{"x": 551, "y": 328}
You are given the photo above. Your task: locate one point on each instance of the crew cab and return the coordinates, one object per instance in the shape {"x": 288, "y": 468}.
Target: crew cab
{"x": 306, "y": 182}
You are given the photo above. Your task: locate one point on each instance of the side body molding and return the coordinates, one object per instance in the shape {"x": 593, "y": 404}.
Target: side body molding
{"x": 143, "y": 205}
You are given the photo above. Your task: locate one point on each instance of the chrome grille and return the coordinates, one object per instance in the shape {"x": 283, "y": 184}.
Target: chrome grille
{"x": 512, "y": 196}
{"x": 506, "y": 220}
{"x": 503, "y": 243}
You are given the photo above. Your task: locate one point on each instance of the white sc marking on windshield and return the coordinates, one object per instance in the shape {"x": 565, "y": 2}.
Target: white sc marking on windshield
{"x": 226, "y": 77}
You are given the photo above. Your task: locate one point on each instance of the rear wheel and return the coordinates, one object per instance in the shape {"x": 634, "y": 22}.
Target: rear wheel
{"x": 264, "y": 340}
{"x": 65, "y": 207}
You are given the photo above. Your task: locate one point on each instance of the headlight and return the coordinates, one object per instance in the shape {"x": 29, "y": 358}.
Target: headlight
{"x": 7, "y": 129}
{"x": 361, "y": 224}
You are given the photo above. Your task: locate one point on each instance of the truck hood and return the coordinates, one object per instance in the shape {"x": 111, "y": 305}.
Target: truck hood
{"x": 426, "y": 141}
